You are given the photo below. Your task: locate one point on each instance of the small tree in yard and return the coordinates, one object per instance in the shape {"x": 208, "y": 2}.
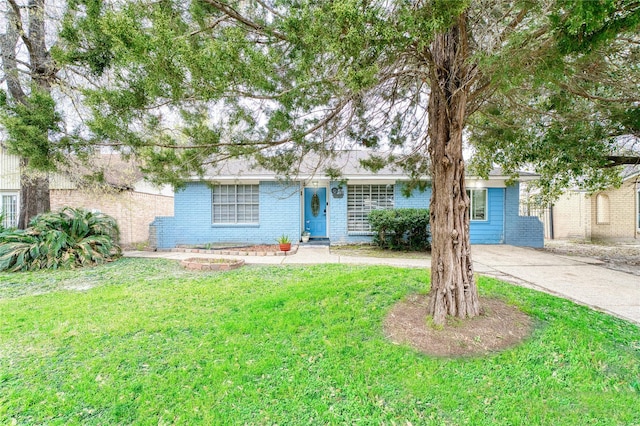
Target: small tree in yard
{"x": 192, "y": 83}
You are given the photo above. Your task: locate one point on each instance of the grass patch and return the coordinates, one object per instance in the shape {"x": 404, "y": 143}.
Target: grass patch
{"x": 370, "y": 250}
{"x": 143, "y": 341}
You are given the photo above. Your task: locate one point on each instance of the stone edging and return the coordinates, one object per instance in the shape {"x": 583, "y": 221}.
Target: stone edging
{"x": 235, "y": 251}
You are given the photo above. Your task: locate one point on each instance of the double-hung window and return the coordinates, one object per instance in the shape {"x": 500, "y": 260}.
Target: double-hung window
{"x": 478, "y": 207}
{"x": 361, "y": 200}
{"x": 232, "y": 204}
{"x": 9, "y": 210}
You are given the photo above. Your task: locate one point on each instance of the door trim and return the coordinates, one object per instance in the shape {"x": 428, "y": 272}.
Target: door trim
{"x": 324, "y": 186}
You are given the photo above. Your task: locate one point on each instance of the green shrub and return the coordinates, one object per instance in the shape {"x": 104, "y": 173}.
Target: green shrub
{"x": 401, "y": 229}
{"x": 68, "y": 238}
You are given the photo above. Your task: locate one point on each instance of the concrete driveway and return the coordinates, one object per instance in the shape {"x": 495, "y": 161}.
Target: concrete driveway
{"x": 583, "y": 280}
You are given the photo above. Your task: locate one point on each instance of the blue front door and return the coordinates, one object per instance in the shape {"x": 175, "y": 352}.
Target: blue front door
{"x": 315, "y": 211}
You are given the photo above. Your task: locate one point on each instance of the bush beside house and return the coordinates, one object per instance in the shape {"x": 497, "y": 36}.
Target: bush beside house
{"x": 67, "y": 238}
{"x": 401, "y": 229}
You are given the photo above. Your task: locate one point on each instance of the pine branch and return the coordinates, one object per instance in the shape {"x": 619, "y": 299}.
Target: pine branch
{"x": 210, "y": 26}
{"x": 622, "y": 160}
{"x": 234, "y": 14}
{"x": 584, "y": 94}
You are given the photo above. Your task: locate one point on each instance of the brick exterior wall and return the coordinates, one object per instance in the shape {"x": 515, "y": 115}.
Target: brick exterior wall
{"x": 524, "y": 231}
{"x": 417, "y": 200}
{"x": 338, "y": 233}
{"x": 280, "y": 212}
{"x": 338, "y": 217}
{"x": 622, "y": 214}
{"x": 133, "y": 211}
{"x": 575, "y": 215}
{"x": 572, "y": 216}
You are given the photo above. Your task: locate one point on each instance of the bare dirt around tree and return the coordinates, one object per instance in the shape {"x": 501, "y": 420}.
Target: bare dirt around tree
{"x": 500, "y": 326}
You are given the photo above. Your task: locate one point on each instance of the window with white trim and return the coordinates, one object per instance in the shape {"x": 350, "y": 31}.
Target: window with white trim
{"x": 9, "y": 210}
{"x": 362, "y": 199}
{"x": 478, "y": 207}
{"x": 233, "y": 204}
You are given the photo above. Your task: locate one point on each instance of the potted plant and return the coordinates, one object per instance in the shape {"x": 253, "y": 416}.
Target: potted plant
{"x": 305, "y": 236}
{"x": 284, "y": 242}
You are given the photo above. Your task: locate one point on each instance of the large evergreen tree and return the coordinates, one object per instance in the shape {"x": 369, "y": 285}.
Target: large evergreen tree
{"x": 192, "y": 83}
{"x": 27, "y": 109}
{"x": 40, "y": 106}
{"x": 581, "y": 121}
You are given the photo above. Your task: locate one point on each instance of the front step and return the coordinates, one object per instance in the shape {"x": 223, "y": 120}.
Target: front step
{"x": 316, "y": 242}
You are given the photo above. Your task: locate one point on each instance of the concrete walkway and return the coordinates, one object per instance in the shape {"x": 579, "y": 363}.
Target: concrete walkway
{"x": 582, "y": 280}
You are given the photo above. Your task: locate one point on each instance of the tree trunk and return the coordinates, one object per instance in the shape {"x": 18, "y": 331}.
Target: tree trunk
{"x": 453, "y": 289}
{"x": 34, "y": 194}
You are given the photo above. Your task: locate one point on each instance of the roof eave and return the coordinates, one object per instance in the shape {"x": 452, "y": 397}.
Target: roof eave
{"x": 352, "y": 177}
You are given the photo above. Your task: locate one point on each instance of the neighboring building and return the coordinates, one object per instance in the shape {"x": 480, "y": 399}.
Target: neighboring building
{"x": 9, "y": 189}
{"x": 245, "y": 205}
{"x": 125, "y": 195}
{"x": 611, "y": 215}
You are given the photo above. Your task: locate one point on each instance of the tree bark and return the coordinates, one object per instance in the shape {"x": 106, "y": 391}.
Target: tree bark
{"x": 34, "y": 194}
{"x": 453, "y": 289}
{"x": 8, "y": 43}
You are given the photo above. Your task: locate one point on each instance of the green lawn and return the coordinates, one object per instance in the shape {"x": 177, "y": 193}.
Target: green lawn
{"x": 145, "y": 342}
{"x": 370, "y": 250}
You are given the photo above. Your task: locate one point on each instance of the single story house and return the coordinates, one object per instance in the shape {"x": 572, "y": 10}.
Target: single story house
{"x": 243, "y": 204}
{"x": 125, "y": 196}
{"x": 610, "y": 215}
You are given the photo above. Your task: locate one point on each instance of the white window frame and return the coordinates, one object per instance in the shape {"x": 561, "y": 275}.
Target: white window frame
{"x": 234, "y": 202}
{"x": 8, "y": 221}
{"x": 472, "y": 207}
{"x": 363, "y": 199}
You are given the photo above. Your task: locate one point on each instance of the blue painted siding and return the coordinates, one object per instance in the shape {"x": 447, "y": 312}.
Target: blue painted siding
{"x": 163, "y": 228}
{"x": 417, "y": 199}
{"x": 490, "y": 231}
{"x": 482, "y": 232}
{"x": 337, "y": 215}
{"x": 521, "y": 231}
{"x": 279, "y": 213}
{"x": 338, "y": 233}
